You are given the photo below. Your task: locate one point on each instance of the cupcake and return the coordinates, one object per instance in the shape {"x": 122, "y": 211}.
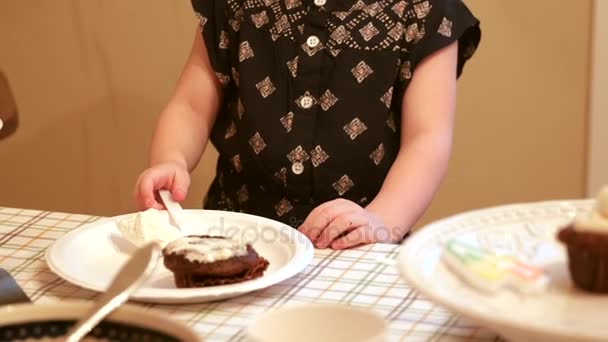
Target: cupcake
{"x": 198, "y": 261}
{"x": 586, "y": 239}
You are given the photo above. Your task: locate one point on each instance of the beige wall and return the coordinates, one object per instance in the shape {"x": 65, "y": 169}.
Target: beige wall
{"x": 522, "y": 108}
{"x": 598, "y": 124}
{"x": 91, "y": 76}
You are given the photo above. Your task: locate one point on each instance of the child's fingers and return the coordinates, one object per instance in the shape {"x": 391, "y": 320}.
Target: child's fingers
{"x": 164, "y": 176}
{"x": 360, "y": 236}
{"x": 308, "y": 227}
{"x": 157, "y": 206}
{"x": 321, "y": 216}
{"x": 340, "y": 225}
{"x": 138, "y": 193}
{"x": 181, "y": 183}
{"x": 148, "y": 184}
{"x": 148, "y": 198}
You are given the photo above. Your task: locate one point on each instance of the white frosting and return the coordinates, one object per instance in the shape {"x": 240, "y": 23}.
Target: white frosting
{"x": 206, "y": 249}
{"x": 597, "y": 220}
{"x": 148, "y": 226}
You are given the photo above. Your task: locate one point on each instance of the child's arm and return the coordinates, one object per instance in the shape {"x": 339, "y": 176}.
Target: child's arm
{"x": 426, "y": 140}
{"x": 182, "y": 130}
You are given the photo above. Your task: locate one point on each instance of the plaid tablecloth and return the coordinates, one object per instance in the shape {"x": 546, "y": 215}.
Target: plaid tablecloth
{"x": 354, "y": 277}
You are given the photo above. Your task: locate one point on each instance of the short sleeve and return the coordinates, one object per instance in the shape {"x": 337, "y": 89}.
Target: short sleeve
{"x": 213, "y": 24}
{"x": 437, "y": 24}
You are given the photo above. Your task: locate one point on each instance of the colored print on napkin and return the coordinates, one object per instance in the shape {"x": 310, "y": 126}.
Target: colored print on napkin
{"x": 489, "y": 272}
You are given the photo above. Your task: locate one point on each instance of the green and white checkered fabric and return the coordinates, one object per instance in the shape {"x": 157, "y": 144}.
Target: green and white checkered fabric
{"x": 354, "y": 277}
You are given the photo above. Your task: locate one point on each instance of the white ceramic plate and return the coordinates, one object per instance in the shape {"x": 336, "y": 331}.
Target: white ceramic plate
{"x": 91, "y": 255}
{"x": 561, "y": 313}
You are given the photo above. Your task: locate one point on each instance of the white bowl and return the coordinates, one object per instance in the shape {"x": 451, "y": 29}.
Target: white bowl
{"x": 129, "y": 322}
{"x": 319, "y": 323}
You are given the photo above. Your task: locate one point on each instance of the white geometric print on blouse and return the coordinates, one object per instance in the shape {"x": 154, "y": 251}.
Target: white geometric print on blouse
{"x": 242, "y": 194}
{"x": 260, "y": 19}
{"x": 202, "y": 20}
{"x": 245, "y": 51}
{"x": 282, "y": 26}
{"x": 399, "y": 8}
{"x": 230, "y": 131}
{"x": 327, "y": 100}
{"x": 343, "y": 184}
{"x": 237, "y": 8}
{"x": 334, "y": 52}
{"x": 413, "y": 33}
{"x": 422, "y": 9}
{"x": 369, "y": 31}
{"x": 378, "y": 154}
{"x": 339, "y": 35}
{"x": 282, "y": 22}
{"x": 361, "y": 71}
{"x": 390, "y": 122}
{"x": 318, "y": 156}
{"x": 364, "y": 23}
{"x": 235, "y": 76}
{"x": 354, "y": 128}
{"x": 445, "y": 29}
{"x": 292, "y": 65}
{"x": 257, "y": 143}
{"x": 235, "y": 24}
{"x": 341, "y": 14}
{"x": 311, "y": 51}
{"x": 224, "y": 79}
{"x": 224, "y": 40}
{"x": 406, "y": 71}
{"x": 373, "y": 9}
{"x": 265, "y": 87}
{"x": 239, "y": 14}
{"x": 282, "y": 175}
{"x": 397, "y": 31}
{"x": 283, "y": 207}
{"x": 357, "y": 6}
{"x": 240, "y": 109}
{"x": 236, "y": 163}
{"x": 225, "y": 202}
{"x": 291, "y": 4}
{"x": 387, "y": 98}
{"x": 306, "y": 95}
{"x": 287, "y": 121}
{"x": 298, "y": 154}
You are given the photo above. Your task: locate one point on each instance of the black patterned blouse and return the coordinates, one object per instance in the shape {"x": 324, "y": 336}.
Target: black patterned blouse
{"x": 312, "y": 94}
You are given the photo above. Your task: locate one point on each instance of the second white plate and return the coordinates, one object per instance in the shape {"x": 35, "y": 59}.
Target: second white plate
{"x": 561, "y": 313}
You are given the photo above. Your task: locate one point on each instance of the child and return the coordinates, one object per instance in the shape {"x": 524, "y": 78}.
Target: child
{"x": 332, "y": 116}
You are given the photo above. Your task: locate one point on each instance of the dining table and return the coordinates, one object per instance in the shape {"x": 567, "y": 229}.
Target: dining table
{"x": 365, "y": 277}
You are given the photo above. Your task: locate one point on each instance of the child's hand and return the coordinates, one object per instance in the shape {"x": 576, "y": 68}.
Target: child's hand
{"x": 342, "y": 224}
{"x": 171, "y": 176}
